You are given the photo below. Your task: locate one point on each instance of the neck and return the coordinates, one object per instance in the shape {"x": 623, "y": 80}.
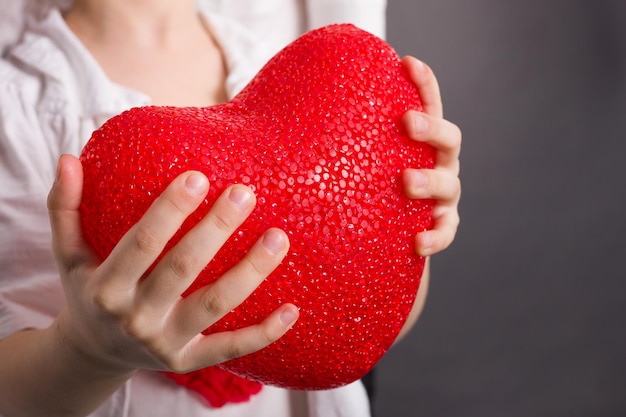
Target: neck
{"x": 159, "y": 47}
{"x": 145, "y": 23}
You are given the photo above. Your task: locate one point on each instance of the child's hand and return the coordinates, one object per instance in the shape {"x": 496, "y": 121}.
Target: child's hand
{"x": 119, "y": 320}
{"x": 441, "y": 183}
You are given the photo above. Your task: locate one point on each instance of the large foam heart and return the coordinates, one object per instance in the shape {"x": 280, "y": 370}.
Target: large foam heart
{"x": 317, "y": 135}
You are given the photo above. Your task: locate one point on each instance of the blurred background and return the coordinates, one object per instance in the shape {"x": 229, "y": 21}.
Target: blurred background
{"x": 526, "y": 313}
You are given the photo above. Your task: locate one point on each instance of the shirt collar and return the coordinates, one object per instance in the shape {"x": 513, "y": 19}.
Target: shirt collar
{"x": 50, "y": 48}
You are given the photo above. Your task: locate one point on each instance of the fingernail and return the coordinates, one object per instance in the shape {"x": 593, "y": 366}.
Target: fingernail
{"x": 426, "y": 243}
{"x": 420, "y": 123}
{"x": 288, "y": 315}
{"x": 196, "y": 183}
{"x": 57, "y": 175}
{"x": 273, "y": 241}
{"x": 241, "y": 197}
{"x": 419, "y": 64}
{"x": 418, "y": 179}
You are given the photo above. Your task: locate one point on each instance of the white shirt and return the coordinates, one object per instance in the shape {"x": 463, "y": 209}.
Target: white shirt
{"x": 278, "y": 22}
{"x": 53, "y": 94}
{"x": 281, "y": 21}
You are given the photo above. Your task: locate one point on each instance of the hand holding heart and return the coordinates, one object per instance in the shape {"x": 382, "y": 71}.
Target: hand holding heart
{"x": 123, "y": 325}
{"x": 128, "y": 322}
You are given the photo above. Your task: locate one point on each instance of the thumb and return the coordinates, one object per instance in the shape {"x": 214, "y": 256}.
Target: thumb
{"x": 63, "y": 203}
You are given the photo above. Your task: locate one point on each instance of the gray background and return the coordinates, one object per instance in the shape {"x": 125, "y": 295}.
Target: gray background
{"x": 526, "y": 311}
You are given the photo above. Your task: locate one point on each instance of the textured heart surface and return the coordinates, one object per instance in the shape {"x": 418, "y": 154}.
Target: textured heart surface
{"x": 317, "y": 135}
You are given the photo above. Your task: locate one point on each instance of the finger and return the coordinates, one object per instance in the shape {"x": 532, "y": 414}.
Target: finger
{"x": 443, "y": 135}
{"x": 440, "y": 237}
{"x": 430, "y": 183}
{"x": 427, "y": 85}
{"x": 185, "y": 261}
{"x": 63, "y": 202}
{"x": 209, "y": 304}
{"x": 144, "y": 242}
{"x": 220, "y": 347}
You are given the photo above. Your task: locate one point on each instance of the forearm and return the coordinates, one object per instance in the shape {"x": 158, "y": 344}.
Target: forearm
{"x": 40, "y": 375}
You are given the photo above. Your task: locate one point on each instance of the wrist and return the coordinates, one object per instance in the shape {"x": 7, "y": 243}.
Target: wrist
{"x": 39, "y": 370}
{"x": 82, "y": 355}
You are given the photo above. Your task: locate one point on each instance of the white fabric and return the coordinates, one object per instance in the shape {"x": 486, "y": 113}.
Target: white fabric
{"x": 53, "y": 95}
{"x": 281, "y": 21}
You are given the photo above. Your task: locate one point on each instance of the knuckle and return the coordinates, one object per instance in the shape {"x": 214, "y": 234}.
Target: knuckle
{"x": 458, "y": 133}
{"x": 455, "y": 222}
{"x": 455, "y": 169}
{"x": 146, "y": 241}
{"x": 456, "y": 137}
{"x": 224, "y": 222}
{"x": 448, "y": 225}
{"x": 234, "y": 350}
{"x": 109, "y": 304}
{"x": 177, "y": 203}
{"x": 214, "y": 303}
{"x": 182, "y": 264}
{"x": 136, "y": 328}
{"x": 446, "y": 136}
{"x": 456, "y": 186}
{"x": 420, "y": 125}
{"x": 444, "y": 186}
{"x": 141, "y": 330}
{"x": 449, "y": 239}
{"x": 174, "y": 364}
{"x": 256, "y": 268}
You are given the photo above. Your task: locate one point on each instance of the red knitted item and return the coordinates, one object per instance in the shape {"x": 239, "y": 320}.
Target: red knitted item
{"x": 218, "y": 386}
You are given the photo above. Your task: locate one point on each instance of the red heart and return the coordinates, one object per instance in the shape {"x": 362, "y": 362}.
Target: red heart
{"x": 317, "y": 135}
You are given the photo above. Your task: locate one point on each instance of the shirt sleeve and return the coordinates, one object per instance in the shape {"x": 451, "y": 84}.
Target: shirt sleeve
{"x": 30, "y": 292}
